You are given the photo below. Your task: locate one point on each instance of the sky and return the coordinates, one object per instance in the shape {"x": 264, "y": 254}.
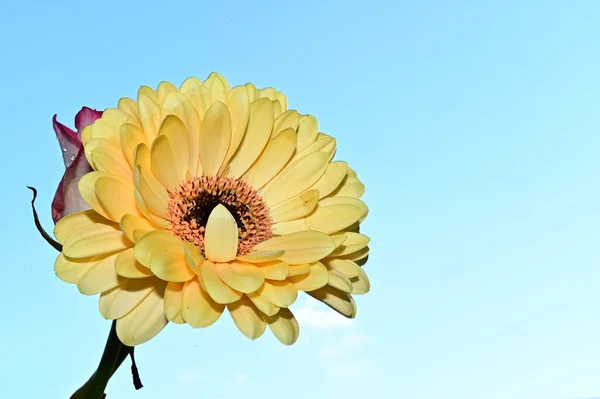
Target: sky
{"x": 474, "y": 126}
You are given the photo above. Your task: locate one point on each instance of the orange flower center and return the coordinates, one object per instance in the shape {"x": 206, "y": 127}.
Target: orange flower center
{"x": 192, "y": 202}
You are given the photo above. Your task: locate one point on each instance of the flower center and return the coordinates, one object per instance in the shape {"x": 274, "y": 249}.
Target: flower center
{"x": 191, "y": 203}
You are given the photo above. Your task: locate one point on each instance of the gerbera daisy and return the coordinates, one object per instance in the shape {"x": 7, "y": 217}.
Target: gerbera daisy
{"x": 207, "y": 197}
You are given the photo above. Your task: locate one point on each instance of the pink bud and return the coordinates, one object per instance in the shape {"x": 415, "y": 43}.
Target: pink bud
{"x": 67, "y": 199}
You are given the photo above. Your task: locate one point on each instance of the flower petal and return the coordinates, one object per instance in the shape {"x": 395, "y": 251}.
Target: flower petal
{"x": 154, "y": 194}
{"x": 300, "y": 247}
{"x": 332, "y": 178}
{"x": 340, "y": 281}
{"x": 339, "y": 301}
{"x": 101, "y": 277}
{"x": 260, "y": 125}
{"x": 97, "y": 239}
{"x": 149, "y": 112}
{"x": 263, "y": 304}
{"x": 327, "y": 219}
{"x": 279, "y": 293}
{"x": 130, "y": 223}
{"x": 116, "y": 197}
{"x": 295, "y": 179}
{"x": 275, "y": 270}
{"x": 173, "y": 302}
{"x": 71, "y": 270}
{"x": 87, "y": 190}
{"x": 316, "y": 278}
{"x": 242, "y": 277}
{"x": 175, "y": 130}
{"x": 145, "y": 321}
{"x": 193, "y": 256}
{"x": 276, "y": 155}
{"x": 221, "y": 236}
{"x": 344, "y": 266}
{"x": 163, "y": 163}
{"x": 198, "y": 309}
{"x": 216, "y": 288}
{"x": 284, "y": 326}
{"x": 308, "y": 129}
{"x": 247, "y": 319}
{"x": 360, "y": 283}
{"x": 261, "y": 256}
{"x": 127, "y": 266}
{"x": 71, "y": 223}
{"x": 121, "y": 300}
{"x": 215, "y": 136}
{"x": 168, "y": 262}
{"x": 131, "y": 136}
{"x": 287, "y": 120}
{"x": 106, "y": 159}
{"x": 238, "y": 103}
{"x": 296, "y": 208}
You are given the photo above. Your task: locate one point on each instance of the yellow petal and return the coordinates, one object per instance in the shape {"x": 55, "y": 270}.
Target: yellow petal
{"x": 297, "y": 270}
{"x": 328, "y": 219}
{"x": 284, "y": 326}
{"x": 295, "y": 179}
{"x": 276, "y": 155}
{"x": 247, "y": 319}
{"x": 111, "y": 161}
{"x": 354, "y": 242}
{"x": 173, "y": 301}
{"x": 215, "y": 136}
{"x": 168, "y": 262}
{"x": 75, "y": 221}
{"x": 141, "y": 156}
{"x": 217, "y": 86}
{"x": 121, "y": 300}
{"x": 316, "y": 278}
{"x": 131, "y": 136}
{"x": 356, "y": 256}
{"x": 331, "y": 179}
{"x": 261, "y": 256}
{"x": 275, "y": 270}
{"x": 155, "y": 241}
{"x": 157, "y": 220}
{"x": 360, "y": 283}
{"x": 198, "y": 309}
{"x": 164, "y": 89}
{"x": 168, "y": 173}
{"x": 221, "y": 236}
{"x": 242, "y": 277}
{"x": 279, "y": 293}
{"x": 260, "y": 125}
{"x": 197, "y": 94}
{"x": 143, "y": 322}
{"x": 116, "y": 197}
{"x": 338, "y": 239}
{"x": 263, "y": 304}
{"x": 87, "y": 190}
{"x": 97, "y": 239}
{"x": 71, "y": 270}
{"x": 127, "y": 266}
{"x": 339, "y": 301}
{"x": 149, "y": 112}
{"x": 349, "y": 187}
{"x": 177, "y": 104}
{"x": 193, "y": 256}
{"x": 300, "y": 247}
{"x": 344, "y": 266}
{"x": 129, "y": 106}
{"x": 154, "y": 194}
{"x": 287, "y": 120}
{"x": 296, "y": 208}
{"x": 216, "y": 288}
{"x": 308, "y": 129}
{"x": 348, "y": 201}
{"x": 323, "y": 144}
{"x": 130, "y": 223}
{"x": 238, "y": 103}
{"x": 339, "y": 281}
{"x": 100, "y": 278}
{"x": 175, "y": 130}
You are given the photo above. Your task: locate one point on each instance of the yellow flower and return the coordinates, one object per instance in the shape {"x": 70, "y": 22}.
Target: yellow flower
{"x": 209, "y": 197}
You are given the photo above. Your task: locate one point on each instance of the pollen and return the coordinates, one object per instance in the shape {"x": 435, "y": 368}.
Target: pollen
{"x": 191, "y": 203}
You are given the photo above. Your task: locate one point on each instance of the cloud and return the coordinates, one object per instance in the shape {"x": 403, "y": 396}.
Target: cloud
{"x": 348, "y": 344}
{"x": 321, "y": 319}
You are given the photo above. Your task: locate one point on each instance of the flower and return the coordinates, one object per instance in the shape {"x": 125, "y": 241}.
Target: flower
{"x": 209, "y": 197}
{"x": 67, "y": 199}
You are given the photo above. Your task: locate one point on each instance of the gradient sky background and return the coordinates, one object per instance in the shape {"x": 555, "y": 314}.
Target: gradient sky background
{"x": 474, "y": 125}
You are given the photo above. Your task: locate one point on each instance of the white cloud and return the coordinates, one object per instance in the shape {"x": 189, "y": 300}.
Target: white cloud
{"x": 321, "y": 319}
{"x": 349, "y": 343}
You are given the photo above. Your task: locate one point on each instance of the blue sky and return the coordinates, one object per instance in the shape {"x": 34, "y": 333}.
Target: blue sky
{"x": 474, "y": 125}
